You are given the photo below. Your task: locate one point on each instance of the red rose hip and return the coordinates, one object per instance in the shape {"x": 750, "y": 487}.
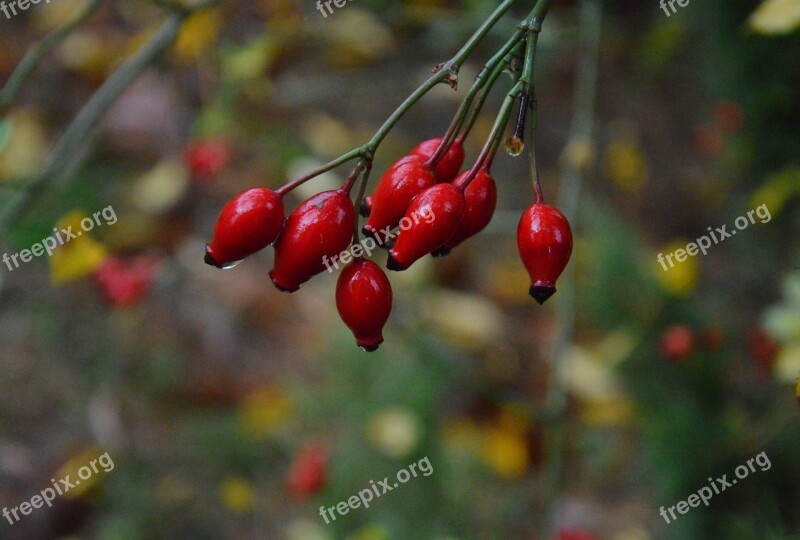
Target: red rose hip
{"x": 544, "y": 239}
{"x": 398, "y": 186}
{"x": 248, "y": 223}
{"x": 429, "y": 223}
{"x": 447, "y": 168}
{"x": 364, "y": 301}
{"x": 481, "y": 199}
{"x": 320, "y": 227}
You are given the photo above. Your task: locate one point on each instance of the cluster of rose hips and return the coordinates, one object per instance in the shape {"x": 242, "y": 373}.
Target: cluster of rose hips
{"x": 323, "y": 225}
{"x": 426, "y": 182}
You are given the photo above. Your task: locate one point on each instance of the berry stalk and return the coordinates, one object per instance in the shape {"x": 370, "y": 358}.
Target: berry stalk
{"x": 487, "y": 88}
{"x": 483, "y": 85}
{"x": 494, "y": 137}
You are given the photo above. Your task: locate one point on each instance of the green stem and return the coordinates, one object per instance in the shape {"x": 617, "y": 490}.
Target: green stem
{"x": 362, "y": 189}
{"x": 590, "y": 22}
{"x": 497, "y": 133}
{"x": 447, "y": 71}
{"x": 38, "y": 51}
{"x": 482, "y": 84}
{"x": 66, "y": 154}
{"x": 352, "y": 154}
{"x": 487, "y": 88}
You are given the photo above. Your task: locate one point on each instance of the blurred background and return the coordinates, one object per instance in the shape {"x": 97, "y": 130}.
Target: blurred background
{"x": 233, "y": 411}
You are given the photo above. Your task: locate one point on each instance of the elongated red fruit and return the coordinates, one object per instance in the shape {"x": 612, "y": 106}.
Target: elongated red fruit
{"x": 544, "y": 239}
{"x": 248, "y": 223}
{"x": 364, "y": 301}
{"x": 429, "y": 223}
{"x": 322, "y": 226}
{"x": 398, "y": 186}
{"x": 447, "y": 168}
{"x": 481, "y": 198}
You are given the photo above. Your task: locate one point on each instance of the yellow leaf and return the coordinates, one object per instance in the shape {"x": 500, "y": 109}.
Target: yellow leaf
{"x": 467, "y": 321}
{"x": 679, "y": 280}
{"x": 395, "y": 432}
{"x": 356, "y": 37}
{"x": 776, "y": 17}
{"x": 91, "y": 55}
{"x": 264, "y": 411}
{"x": 77, "y": 257}
{"x": 612, "y": 412}
{"x": 81, "y": 471}
{"x": 199, "y": 33}
{"x": 506, "y": 452}
{"x": 237, "y": 495}
{"x": 625, "y": 163}
{"x": 25, "y": 146}
{"x": 161, "y": 188}
{"x": 778, "y": 189}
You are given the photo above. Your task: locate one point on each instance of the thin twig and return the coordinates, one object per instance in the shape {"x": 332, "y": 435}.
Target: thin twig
{"x": 590, "y": 22}
{"x": 38, "y": 51}
{"x": 66, "y": 154}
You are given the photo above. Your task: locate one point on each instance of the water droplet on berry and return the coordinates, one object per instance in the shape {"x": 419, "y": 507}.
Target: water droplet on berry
{"x": 231, "y": 265}
{"x": 514, "y": 146}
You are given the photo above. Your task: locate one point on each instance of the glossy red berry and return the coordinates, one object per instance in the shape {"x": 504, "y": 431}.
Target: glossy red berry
{"x": 429, "y": 222}
{"x": 447, "y": 168}
{"x": 308, "y": 472}
{"x": 400, "y": 184}
{"x": 677, "y": 343}
{"x": 206, "y": 158}
{"x": 320, "y": 228}
{"x": 248, "y": 223}
{"x": 125, "y": 283}
{"x": 544, "y": 239}
{"x": 481, "y": 199}
{"x": 364, "y": 301}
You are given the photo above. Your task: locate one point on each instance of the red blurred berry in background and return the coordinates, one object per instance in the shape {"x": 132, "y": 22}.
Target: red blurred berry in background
{"x": 677, "y": 342}
{"x": 206, "y": 158}
{"x": 308, "y": 472}
{"x": 125, "y": 283}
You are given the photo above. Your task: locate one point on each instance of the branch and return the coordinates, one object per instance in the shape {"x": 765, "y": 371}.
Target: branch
{"x": 66, "y": 155}
{"x": 38, "y": 51}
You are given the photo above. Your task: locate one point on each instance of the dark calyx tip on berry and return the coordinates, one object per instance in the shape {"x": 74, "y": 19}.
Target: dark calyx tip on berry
{"x": 364, "y": 210}
{"x": 443, "y": 251}
{"x": 209, "y": 260}
{"x": 541, "y": 294}
{"x": 368, "y": 232}
{"x": 392, "y": 264}
{"x": 281, "y": 288}
{"x": 371, "y": 347}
